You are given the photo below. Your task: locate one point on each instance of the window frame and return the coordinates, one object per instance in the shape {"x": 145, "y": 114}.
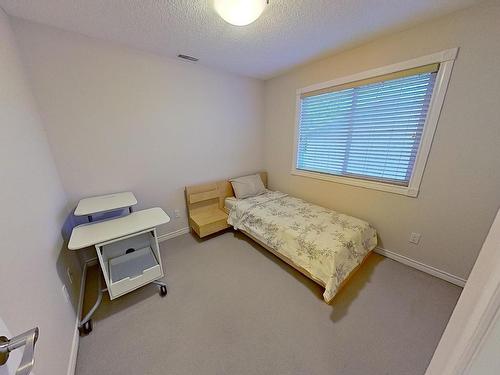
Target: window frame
{"x": 446, "y": 60}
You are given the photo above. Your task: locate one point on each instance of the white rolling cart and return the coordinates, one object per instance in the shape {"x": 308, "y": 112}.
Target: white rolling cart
{"x": 126, "y": 246}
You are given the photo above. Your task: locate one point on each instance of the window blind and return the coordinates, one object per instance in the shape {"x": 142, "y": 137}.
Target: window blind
{"x": 369, "y": 129}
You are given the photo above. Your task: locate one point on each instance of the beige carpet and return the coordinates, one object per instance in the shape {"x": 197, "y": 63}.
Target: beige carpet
{"x": 233, "y": 308}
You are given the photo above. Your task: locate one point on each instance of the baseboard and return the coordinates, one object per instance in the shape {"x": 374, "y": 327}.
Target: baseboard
{"x": 76, "y": 334}
{"x": 175, "y": 233}
{"x": 387, "y": 253}
{"x": 74, "y": 350}
{"x": 422, "y": 267}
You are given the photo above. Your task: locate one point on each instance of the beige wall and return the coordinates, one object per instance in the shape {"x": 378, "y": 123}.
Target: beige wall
{"x": 460, "y": 190}
{"x": 120, "y": 119}
{"x": 33, "y": 203}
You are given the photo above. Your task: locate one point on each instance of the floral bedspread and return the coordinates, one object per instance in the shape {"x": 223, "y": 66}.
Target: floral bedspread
{"x": 327, "y": 244}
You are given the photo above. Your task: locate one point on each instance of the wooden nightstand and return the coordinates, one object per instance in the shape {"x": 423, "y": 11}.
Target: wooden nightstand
{"x": 205, "y": 208}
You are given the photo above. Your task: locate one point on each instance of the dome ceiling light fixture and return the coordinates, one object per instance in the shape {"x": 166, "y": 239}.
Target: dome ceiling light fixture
{"x": 240, "y": 12}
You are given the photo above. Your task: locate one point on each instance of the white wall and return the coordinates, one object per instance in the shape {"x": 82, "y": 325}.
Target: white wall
{"x": 487, "y": 361}
{"x": 120, "y": 119}
{"x": 460, "y": 189}
{"x": 469, "y": 344}
{"x": 33, "y": 204}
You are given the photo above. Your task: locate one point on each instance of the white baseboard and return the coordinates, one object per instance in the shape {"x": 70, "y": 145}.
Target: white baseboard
{"x": 175, "y": 233}
{"x": 74, "y": 350}
{"x": 387, "y": 253}
{"x": 76, "y": 334}
{"x": 422, "y": 267}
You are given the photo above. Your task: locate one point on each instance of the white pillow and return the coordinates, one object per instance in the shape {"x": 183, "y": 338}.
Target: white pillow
{"x": 248, "y": 186}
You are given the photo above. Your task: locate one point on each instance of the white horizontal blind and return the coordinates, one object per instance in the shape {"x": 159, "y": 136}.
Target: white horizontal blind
{"x": 371, "y": 131}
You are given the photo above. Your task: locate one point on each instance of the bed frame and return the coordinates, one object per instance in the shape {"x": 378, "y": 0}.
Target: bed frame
{"x": 207, "y": 201}
{"x": 302, "y": 270}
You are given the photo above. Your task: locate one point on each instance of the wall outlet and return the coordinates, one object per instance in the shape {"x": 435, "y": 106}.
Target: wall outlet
{"x": 66, "y": 294}
{"x": 177, "y": 214}
{"x": 70, "y": 275}
{"x": 414, "y": 238}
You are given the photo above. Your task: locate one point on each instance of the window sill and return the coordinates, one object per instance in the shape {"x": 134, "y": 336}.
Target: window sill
{"x": 401, "y": 190}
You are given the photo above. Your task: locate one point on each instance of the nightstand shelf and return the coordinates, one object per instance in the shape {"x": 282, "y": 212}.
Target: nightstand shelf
{"x": 205, "y": 222}
{"x": 206, "y": 216}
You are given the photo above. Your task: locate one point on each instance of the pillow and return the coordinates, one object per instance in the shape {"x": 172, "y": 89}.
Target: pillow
{"x": 247, "y": 186}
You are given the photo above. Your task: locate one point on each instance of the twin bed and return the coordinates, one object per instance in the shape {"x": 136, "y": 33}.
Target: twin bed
{"x": 323, "y": 244}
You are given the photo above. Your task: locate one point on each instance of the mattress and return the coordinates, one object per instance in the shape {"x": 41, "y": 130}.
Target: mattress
{"x": 230, "y": 202}
{"x": 328, "y": 245}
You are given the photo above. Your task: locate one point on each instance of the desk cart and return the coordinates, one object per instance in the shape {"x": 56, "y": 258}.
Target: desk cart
{"x": 127, "y": 247}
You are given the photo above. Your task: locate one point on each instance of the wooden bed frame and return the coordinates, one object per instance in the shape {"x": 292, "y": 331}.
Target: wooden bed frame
{"x": 304, "y": 271}
{"x": 206, "y": 202}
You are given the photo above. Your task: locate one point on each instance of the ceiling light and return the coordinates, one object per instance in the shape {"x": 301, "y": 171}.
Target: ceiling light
{"x": 240, "y": 12}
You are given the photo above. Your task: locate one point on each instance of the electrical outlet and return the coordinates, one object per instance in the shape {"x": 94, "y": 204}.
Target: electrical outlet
{"x": 70, "y": 274}
{"x": 414, "y": 238}
{"x": 66, "y": 294}
{"x": 177, "y": 214}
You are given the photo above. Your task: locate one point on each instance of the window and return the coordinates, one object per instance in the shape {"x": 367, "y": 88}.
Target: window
{"x": 374, "y": 131}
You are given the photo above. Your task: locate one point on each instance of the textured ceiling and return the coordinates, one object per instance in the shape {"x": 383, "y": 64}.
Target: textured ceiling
{"x": 290, "y": 32}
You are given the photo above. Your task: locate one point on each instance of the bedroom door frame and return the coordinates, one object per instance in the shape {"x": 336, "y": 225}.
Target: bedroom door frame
{"x": 475, "y": 313}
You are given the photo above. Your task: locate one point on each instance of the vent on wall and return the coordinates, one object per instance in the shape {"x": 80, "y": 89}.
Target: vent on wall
{"x": 189, "y": 58}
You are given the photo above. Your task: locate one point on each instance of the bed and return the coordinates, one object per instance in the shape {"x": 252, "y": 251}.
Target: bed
{"x": 325, "y": 245}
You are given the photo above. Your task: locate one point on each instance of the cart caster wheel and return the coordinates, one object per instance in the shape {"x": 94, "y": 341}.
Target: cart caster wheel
{"x": 86, "y": 328}
{"x": 163, "y": 291}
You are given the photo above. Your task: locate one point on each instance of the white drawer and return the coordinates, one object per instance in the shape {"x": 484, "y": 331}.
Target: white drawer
{"x": 124, "y": 271}
{"x": 116, "y": 289}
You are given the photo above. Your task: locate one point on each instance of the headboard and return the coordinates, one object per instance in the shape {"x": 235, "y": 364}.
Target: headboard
{"x": 210, "y": 194}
